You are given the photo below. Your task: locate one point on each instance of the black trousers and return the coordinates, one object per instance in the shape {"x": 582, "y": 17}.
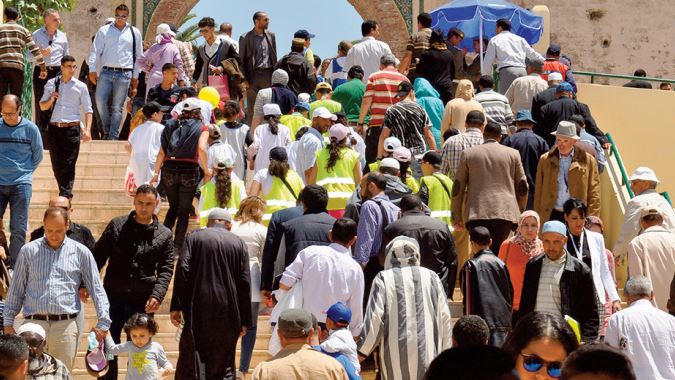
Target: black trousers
{"x": 557, "y": 215}
{"x": 262, "y": 78}
{"x": 64, "y": 148}
{"x": 120, "y": 312}
{"x": 499, "y": 230}
{"x": 11, "y": 82}
{"x": 179, "y": 181}
{"x": 42, "y": 117}
{"x": 372, "y": 140}
{"x": 373, "y": 267}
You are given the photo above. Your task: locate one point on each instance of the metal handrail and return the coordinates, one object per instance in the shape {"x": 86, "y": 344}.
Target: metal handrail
{"x": 617, "y": 76}
{"x": 624, "y": 175}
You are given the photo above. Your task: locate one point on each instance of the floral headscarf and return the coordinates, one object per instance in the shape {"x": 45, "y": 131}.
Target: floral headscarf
{"x": 530, "y": 247}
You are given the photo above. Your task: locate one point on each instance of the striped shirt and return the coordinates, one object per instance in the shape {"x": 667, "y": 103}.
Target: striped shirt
{"x": 453, "y": 148}
{"x": 407, "y": 121}
{"x": 496, "y": 108}
{"x": 418, "y": 44}
{"x": 47, "y": 281}
{"x": 14, "y": 38}
{"x": 382, "y": 87}
{"x": 548, "y": 293}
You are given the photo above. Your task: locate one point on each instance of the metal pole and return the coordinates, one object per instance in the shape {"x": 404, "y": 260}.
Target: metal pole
{"x": 480, "y": 36}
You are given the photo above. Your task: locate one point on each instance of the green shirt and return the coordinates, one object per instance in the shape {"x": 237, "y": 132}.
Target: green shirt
{"x": 350, "y": 95}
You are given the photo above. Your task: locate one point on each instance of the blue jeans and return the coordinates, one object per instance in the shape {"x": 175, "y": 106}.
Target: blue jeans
{"x": 111, "y": 92}
{"x": 248, "y": 340}
{"x": 18, "y": 197}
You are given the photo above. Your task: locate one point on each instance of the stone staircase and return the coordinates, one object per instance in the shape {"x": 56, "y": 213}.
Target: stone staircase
{"x": 99, "y": 197}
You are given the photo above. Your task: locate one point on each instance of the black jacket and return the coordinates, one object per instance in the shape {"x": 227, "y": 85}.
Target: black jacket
{"x": 552, "y": 114}
{"x": 488, "y": 293}
{"x": 247, "y": 51}
{"x": 301, "y": 76}
{"x": 438, "y": 67}
{"x": 77, "y": 232}
{"x": 541, "y": 99}
{"x": 531, "y": 147}
{"x": 437, "y": 247}
{"x": 140, "y": 259}
{"x": 577, "y": 294}
{"x": 273, "y": 242}
{"x": 225, "y": 51}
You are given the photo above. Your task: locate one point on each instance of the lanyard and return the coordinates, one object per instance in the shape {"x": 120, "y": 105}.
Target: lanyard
{"x": 578, "y": 251}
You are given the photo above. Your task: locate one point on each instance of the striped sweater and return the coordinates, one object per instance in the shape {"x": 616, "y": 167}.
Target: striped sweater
{"x": 14, "y": 38}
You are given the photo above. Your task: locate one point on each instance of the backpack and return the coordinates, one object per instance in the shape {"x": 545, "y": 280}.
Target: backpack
{"x": 183, "y": 139}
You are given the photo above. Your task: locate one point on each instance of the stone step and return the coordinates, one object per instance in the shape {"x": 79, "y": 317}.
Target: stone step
{"x": 85, "y": 182}
{"x": 103, "y": 145}
{"x": 87, "y": 169}
{"x": 96, "y": 157}
{"x": 97, "y": 211}
{"x": 112, "y": 196}
{"x": 165, "y": 326}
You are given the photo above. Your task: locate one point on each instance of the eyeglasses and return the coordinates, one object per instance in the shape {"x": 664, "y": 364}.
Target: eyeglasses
{"x": 70, "y": 66}
{"x": 204, "y": 30}
{"x": 533, "y": 363}
{"x": 9, "y": 114}
{"x": 121, "y": 16}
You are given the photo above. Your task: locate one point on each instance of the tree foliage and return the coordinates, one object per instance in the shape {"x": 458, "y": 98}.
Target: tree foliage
{"x": 189, "y": 33}
{"x": 31, "y": 10}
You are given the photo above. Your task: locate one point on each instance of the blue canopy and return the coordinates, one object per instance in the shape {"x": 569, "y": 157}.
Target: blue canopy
{"x": 469, "y": 15}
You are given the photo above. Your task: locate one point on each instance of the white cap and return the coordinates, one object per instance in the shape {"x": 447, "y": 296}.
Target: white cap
{"x": 323, "y": 113}
{"x": 32, "y": 327}
{"x": 304, "y": 97}
{"x": 191, "y": 104}
{"x": 644, "y": 173}
{"x": 391, "y": 143}
{"x": 164, "y": 29}
{"x": 555, "y": 76}
{"x": 389, "y": 162}
{"x": 271, "y": 109}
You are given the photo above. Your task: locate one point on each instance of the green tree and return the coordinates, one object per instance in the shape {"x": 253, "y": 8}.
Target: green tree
{"x": 189, "y": 33}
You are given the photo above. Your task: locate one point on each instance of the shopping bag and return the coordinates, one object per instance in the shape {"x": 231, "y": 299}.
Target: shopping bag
{"x": 221, "y": 84}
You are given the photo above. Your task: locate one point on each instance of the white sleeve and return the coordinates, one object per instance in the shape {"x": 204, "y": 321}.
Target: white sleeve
{"x": 605, "y": 274}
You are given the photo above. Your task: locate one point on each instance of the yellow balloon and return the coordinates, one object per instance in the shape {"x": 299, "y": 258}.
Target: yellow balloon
{"x": 210, "y": 95}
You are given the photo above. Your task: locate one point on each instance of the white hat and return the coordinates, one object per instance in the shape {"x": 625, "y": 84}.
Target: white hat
{"x": 391, "y": 143}
{"x": 555, "y": 76}
{"x": 34, "y": 328}
{"x": 389, "y": 162}
{"x": 644, "y": 173}
{"x": 566, "y": 129}
{"x": 323, "y": 113}
{"x": 191, "y": 104}
{"x": 304, "y": 97}
{"x": 165, "y": 29}
{"x": 271, "y": 109}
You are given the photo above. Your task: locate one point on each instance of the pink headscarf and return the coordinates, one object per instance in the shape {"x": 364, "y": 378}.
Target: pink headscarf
{"x": 534, "y": 247}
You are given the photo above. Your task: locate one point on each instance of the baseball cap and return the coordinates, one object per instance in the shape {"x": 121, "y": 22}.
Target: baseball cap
{"x": 295, "y": 323}
{"x": 555, "y": 76}
{"x": 303, "y": 33}
{"x": 220, "y": 214}
{"x": 271, "y": 109}
{"x": 566, "y": 129}
{"x": 389, "y": 162}
{"x": 404, "y": 89}
{"x": 391, "y": 143}
{"x": 32, "y": 327}
{"x": 644, "y": 173}
{"x": 304, "y": 97}
{"x": 555, "y": 227}
{"x": 223, "y": 160}
{"x": 402, "y": 154}
{"x": 432, "y": 158}
{"x": 340, "y": 314}
{"x": 564, "y": 87}
{"x": 278, "y": 154}
{"x": 298, "y": 42}
{"x": 553, "y": 49}
{"x": 323, "y": 86}
{"x": 303, "y": 105}
{"x": 649, "y": 210}
{"x": 524, "y": 115}
{"x": 191, "y": 104}
{"x": 339, "y": 131}
{"x": 323, "y": 113}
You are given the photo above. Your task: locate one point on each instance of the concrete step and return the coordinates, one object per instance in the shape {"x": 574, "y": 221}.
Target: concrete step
{"x": 96, "y": 157}
{"x": 111, "y": 196}
{"x": 101, "y": 183}
{"x": 165, "y": 326}
{"x": 87, "y": 169}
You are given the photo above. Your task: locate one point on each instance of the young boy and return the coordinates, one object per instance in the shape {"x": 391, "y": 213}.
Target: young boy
{"x": 340, "y": 339}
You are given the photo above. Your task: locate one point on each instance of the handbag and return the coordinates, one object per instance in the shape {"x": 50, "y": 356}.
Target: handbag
{"x": 220, "y": 82}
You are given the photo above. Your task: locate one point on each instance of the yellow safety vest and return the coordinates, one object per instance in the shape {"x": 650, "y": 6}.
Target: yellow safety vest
{"x": 294, "y": 122}
{"x": 208, "y": 200}
{"x": 439, "y": 197}
{"x": 374, "y": 166}
{"x": 339, "y": 181}
{"x": 280, "y": 197}
{"x": 412, "y": 183}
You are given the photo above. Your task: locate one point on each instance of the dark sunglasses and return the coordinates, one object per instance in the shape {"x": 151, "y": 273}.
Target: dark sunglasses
{"x": 533, "y": 363}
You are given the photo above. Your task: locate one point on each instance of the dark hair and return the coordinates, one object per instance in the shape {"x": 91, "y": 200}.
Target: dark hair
{"x": 378, "y": 179}
{"x": 297, "y": 48}
{"x": 492, "y": 130}
{"x": 231, "y": 108}
{"x": 575, "y": 204}
{"x": 504, "y": 24}
{"x": 56, "y": 211}
{"x": 403, "y": 170}
{"x": 189, "y": 91}
{"x": 141, "y": 321}
{"x": 335, "y": 151}
{"x": 450, "y": 132}
{"x": 273, "y": 123}
{"x": 367, "y": 27}
{"x": 653, "y": 219}
{"x": 344, "y": 230}
{"x": 168, "y": 66}
{"x": 207, "y": 22}
{"x": 122, "y": 7}
{"x": 455, "y": 32}
{"x": 278, "y": 169}
{"x": 486, "y": 81}
{"x": 13, "y": 351}
{"x": 317, "y": 61}
{"x": 410, "y": 202}
{"x": 538, "y": 325}
{"x": 147, "y": 189}
{"x": 223, "y": 187}
{"x": 424, "y": 19}
{"x": 471, "y": 363}
{"x": 664, "y": 85}
{"x": 314, "y": 198}
{"x": 66, "y": 59}
{"x": 578, "y": 120}
{"x": 640, "y": 73}
{"x": 470, "y": 330}
{"x": 356, "y": 72}
{"x": 257, "y": 15}
{"x": 225, "y": 27}
{"x": 598, "y": 359}
{"x": 11, "y": 13}
{"x": 480, "y": 235}
{"x": 301, "y": 132}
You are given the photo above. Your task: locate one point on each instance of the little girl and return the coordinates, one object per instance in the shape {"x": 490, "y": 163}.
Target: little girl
{"x": 147, "y": 360}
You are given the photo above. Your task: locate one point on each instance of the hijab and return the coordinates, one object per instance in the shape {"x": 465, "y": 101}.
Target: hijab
{"x": 530, "y": 248}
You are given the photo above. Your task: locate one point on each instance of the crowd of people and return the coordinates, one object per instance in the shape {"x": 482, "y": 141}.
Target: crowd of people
{"x": 353, "y": 194}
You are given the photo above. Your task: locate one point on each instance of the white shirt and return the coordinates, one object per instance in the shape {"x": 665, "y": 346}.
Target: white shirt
{"x": 647, "y": 336}
{"x": 145, "y": 142}
{"x": 522, "y": 91}
{"x": 253, "y": 234}
{"x": 329, "y": 275}
{"x": 212, "y": 49}
{"x": 206, "y": 109}
{"x": 264, "y": 141}
{"x": 228, "y": 39}
{"x": 305, "y": 158}
{"x": 508, "y": 49}
{"x": 367, "y": 54}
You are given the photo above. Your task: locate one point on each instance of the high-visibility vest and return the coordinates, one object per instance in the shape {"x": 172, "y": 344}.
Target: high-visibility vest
{"x": 208, "y": 200}
{"x": 374, "y": 166}
{"x": 280, "y": 197}
{"x": 339, "y": 180}
{"x": 294, "y": 122}
{"x": 439, "y": 196}
{"x": 412, "y": 183}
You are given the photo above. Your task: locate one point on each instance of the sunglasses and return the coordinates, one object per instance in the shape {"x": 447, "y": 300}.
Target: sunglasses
{"x": 121, "y": 16}
{"x": 533, "y": 363}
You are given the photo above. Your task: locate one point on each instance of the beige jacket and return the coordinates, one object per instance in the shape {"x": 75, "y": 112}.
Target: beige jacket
{"x": 299, "y": 361}
{"x": 454, "y": 115}
{"x": 652, "y": 254}
{"x": 583, "y": 180}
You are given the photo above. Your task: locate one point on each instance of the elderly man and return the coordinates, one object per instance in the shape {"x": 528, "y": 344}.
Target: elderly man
{"x": 298, "y": 360}
{"x": 523, "y": 89}
{"x": 212, "y": 295}
{"x": 41, "y": 365}
{"x": 545, "y": 96}
{"x": 556, "y": 111}
{"x": 559, "y": 283}
{"x": 652, "y": 254}
{"x": 399, "y": 293}
{"x": 643, "y": 332}
{"x": 643, "y": 182}
{"x": 49, "y": 297}
{"x": 563, "y": 173}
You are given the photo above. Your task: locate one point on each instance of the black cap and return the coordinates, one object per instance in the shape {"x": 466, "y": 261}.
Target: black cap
{"x": 475, "y": 117}
{"x": 404, "y": 89}
{"x": 432, "y": 158}
{"x": 480, "y": 235}
{"x": 303, "y": 33}
{"x": 278, "y": 154}
{"x": 553, "y": 49}
{"x": 150, "y": 108}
